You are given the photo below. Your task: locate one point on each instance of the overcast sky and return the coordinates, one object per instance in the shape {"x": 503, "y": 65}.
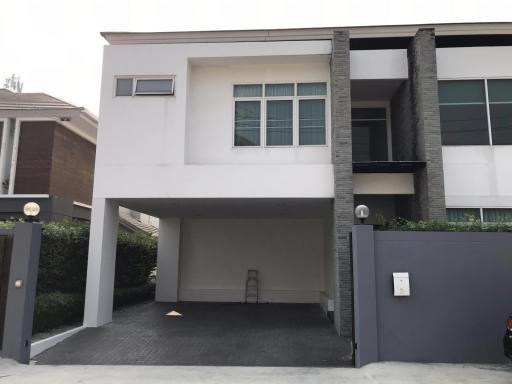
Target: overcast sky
{"x": 56, "y": 48}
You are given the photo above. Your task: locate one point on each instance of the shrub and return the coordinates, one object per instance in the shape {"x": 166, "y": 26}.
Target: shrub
{"x": 399, "y": 224}
{"x": 133, "y": 295}
{"x": 63, "y": 272}
{"x": 55, "y": 309}
{"x": 63, "y": 260}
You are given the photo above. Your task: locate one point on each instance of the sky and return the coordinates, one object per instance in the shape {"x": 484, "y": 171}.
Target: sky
{"x": 56, "y": 47}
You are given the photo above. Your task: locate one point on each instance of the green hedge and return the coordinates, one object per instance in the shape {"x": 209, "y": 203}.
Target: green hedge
{"x": 443, "y": 226}
{"x": 63, "y": 260}
{"x": 56, "y": 309}
{"x": 63, "y": 271}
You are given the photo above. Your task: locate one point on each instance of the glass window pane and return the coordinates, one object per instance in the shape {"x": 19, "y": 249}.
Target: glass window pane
{"x": 311, "y": 122}
{"x": 501, "y": 123}
{"x": 124, "y": 87}
{"x": 500, "y": 108}
{"x": 463, "y": 215}
{"x": 280, "y": 122}
{"x": 247, "y": 123}
{"x": 369, "y": 140}
{"x": 464, "y": 124}
{"x": 500, "y": 91}
{"x": 279, "y": 90}
{"x": 462, "y": 91}
{"x": 368, "y": 113}
{"x": 247, "y": 90}
{"x": 312, "y": 89}
{"x": 498, "y": 215}
{"x": 154, "y": 86}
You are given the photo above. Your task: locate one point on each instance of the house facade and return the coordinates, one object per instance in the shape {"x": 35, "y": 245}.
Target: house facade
{"x": 46, "y": 155}
{"x": 253, "y": 147}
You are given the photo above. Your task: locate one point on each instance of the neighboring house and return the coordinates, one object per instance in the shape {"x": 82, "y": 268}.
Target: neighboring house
{"x": 253, "y": 147}
{"x": 47, "y": 156}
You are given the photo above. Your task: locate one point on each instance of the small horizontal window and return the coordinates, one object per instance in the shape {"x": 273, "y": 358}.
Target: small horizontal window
{"x": 498, "y": 215}
{"x": 272, "y": 90}
{"x": 124, "y": 86}
{"x": 312, "y": 89}
{"x": 248, "y": 90}
{"x": 154, "y": 87}
{"x": 463, "y": 215}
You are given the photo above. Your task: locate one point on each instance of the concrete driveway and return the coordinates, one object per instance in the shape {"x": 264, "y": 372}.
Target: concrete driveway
{"x": 220, "y": 334}
{"x": 395, "y": 373}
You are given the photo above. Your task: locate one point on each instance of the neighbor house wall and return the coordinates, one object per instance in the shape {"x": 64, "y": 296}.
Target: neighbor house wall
{"x": 34, "y": 160}
{"x": 216, "y": 254}
{"x": 53, "y": 160}
{"x": 72, "y": 173}
{"x": 476, "y": 176}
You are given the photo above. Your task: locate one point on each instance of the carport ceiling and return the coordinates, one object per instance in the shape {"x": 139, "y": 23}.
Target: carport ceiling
{"x": 231, "y": 208}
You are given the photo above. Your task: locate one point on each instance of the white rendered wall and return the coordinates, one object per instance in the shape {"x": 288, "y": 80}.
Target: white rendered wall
{"x": 210, "y": 122}
{"x": 378, "y": 64}
{"x": 141, "y": 148}
{"x": 476, "y": 176}
{"x": 216, "y": 254}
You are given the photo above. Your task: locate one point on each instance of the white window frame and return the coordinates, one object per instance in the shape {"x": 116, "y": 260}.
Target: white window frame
{"x": 295, "y": 105}
{"x": 487, "y": 104}
{"x": 135, "y": 79}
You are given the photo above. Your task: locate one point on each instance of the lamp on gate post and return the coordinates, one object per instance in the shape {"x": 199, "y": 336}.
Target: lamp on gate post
{"x": 31, "y": 210}
{"x": 362, "y": 212}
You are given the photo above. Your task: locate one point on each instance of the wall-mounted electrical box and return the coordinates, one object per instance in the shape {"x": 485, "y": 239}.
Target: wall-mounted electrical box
{"x": 401, "y": 284}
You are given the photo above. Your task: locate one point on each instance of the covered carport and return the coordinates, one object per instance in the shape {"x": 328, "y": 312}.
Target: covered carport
{"x": 206, "y": 247}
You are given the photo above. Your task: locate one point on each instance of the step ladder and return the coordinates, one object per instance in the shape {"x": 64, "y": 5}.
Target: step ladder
{"x": 251, "y": 286}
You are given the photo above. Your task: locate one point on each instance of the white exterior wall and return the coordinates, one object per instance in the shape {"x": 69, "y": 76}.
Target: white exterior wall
{"x": 476, "y": 176}
{"x": 216, "y": 254}
{"x": 211, "y": 110}
{"x": 181, "y": 146}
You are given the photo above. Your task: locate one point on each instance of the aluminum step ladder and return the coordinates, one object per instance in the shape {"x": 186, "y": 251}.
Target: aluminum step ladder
{"x": 251, "y": 286}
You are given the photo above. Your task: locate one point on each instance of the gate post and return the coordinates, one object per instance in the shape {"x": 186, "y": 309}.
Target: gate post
{"x": 21, "y": 293}
{"x": 365, "y": 300}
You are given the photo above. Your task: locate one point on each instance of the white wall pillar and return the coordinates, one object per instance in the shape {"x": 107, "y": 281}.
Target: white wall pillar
{"x": 168, "y": 257}
{"x": 99, "y": 294}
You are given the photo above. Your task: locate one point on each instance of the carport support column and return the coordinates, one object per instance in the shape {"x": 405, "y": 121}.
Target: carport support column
{"x": 99, "y": 294}
{"x": 168, "y": 257}
{"x": 343, "y": 205}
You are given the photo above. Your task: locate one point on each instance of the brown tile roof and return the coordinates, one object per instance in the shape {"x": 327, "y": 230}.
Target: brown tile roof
{"x": 12, "y": 100}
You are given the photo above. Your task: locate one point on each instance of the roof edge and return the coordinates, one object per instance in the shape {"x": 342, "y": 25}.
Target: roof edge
{"x": 323, "y": 33}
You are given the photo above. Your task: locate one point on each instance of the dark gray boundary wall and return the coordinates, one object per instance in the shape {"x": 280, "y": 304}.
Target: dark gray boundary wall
{"x": 461, "y": 289}
{"x": 19, "y": 312}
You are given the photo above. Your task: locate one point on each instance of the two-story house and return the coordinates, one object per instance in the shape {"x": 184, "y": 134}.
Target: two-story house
{"x": 253, "y": 147}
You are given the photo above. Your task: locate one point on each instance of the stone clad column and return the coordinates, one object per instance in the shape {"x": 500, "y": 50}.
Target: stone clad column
{"x": 430, "y": 201}
{"x": 343, "y": 204}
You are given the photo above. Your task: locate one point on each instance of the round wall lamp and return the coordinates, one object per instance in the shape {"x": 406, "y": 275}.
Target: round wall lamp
{"x": 31, "y": 210}
{"x": 362, "y": 212}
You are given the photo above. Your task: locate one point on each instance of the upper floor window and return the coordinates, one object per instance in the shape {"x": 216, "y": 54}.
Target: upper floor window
{"x": 134, "y": 86}
{"x": 476, "y": 112}
{"x": 284, "y": 114}
{"x": 369, "y": 134}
